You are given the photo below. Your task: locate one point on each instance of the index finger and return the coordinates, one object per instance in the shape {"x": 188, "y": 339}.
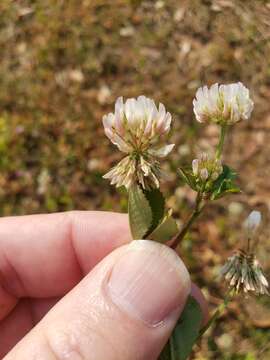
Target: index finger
{"x": 47, "y": 255}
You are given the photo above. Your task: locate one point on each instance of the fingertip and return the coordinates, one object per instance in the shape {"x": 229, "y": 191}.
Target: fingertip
{"x": 96, "y": 234}
{"x": 68, "y": 245}
{"x": 149, "y": 281}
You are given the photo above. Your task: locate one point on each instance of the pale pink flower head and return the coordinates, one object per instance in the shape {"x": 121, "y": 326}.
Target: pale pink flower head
{"x": 222, "y": 104}
{"x": 139, "y": 129}
{"x": 206, "y": 167}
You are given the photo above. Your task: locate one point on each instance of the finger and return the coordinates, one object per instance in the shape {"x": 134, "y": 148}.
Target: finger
{"x": 7, "y": 303}
{"x": 46, "y": 255}
{"x": 35, "y": 309}
{"x": 125, "y": 308}
{"x": 14, "y": 327}
{"x": 21, "y": 320}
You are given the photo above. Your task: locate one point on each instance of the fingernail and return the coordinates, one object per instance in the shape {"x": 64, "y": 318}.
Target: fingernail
{"x": 149, "y": 281}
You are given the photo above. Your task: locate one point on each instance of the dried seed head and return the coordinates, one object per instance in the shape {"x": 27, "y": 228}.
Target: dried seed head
{"x": 243, "y": 270}
{"x": 132, "y": 170}
{"x": 244, "y": 273}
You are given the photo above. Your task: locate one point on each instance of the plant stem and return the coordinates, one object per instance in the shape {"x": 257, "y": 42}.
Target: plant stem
{"x": 199, "y": 199}
{"x": 196, "y": 212}
{"x": 220, "y": 309}
{"x": 221, "y": 141}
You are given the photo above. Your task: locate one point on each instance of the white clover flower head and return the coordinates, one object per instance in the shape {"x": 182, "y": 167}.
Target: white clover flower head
{"x": 206, "y": 167}
{"x": 244, "y": 273}
{"x": 252, "y": 222}
{"x": 222, "y": 104}
{"x": 139, "y": 129}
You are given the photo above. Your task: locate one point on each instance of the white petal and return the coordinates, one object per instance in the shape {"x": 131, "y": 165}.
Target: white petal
{"x": 195, "y": 166}
{"x": 253, "y": 221}
{"x": 161, "y": 152}
{"x": 204, "y": 174}
{"x": 108, "y": 121}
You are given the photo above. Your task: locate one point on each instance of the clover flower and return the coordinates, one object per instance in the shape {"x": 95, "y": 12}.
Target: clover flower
{"x": 139, "y": 129}
{"x": 222, "y": 104}
{"x": 206, "y": 167}
{"x": 243, "y": 270}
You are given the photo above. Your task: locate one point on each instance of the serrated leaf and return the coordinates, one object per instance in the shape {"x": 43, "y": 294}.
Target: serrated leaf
{"x": 165, "y": 231}
{"x": 188, "y": 178}
{"x": 220, "y": 194}
{"x": 185, "y": 333}
{"x": 140, "y": 214}
{"x": 157, "y": 205}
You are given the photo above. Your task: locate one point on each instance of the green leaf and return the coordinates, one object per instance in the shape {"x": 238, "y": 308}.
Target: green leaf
{"x": 227, "y": 174}
{"x": 185, "y": 333}
{"x": 232, "y": 190}
{"x": 165, "y": 231}
{"x": 140, "y": 213}
{"x": 224, "y": 184}
{"x": 188, "y": 178}
{"x": 166, "y": 352}
{"x": 187, "y": 330}
{"x": 157, "y": 205}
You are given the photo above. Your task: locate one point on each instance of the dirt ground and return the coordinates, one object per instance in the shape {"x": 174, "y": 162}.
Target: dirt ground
{"x": 62, "y": 66}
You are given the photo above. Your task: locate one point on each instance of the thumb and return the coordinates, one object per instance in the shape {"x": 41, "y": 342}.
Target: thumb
{"x": 125, "y": 308}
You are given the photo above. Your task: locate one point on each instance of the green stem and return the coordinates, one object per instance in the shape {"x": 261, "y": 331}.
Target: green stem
{"x": 199, "y": 200}
{"x": 219, "y": 311}
{"x": 195, "y": 214}
{"x": 223, "y": 132}
{"x": 172, "y": 348}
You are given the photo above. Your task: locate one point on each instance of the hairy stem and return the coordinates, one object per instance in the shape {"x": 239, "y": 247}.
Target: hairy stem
{"x": 223, "y": 132}
{"x": 219, "y": 311}
{"x": 195, "y": 214}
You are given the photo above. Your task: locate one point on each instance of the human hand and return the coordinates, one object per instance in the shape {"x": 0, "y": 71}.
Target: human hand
{"x": 69, "y": 290}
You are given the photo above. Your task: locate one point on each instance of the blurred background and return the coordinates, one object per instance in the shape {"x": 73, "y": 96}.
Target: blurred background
{"x": 62, "y": 66}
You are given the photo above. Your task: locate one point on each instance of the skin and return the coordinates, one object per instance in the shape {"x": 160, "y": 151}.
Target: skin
{"x": 49, "y": 264}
